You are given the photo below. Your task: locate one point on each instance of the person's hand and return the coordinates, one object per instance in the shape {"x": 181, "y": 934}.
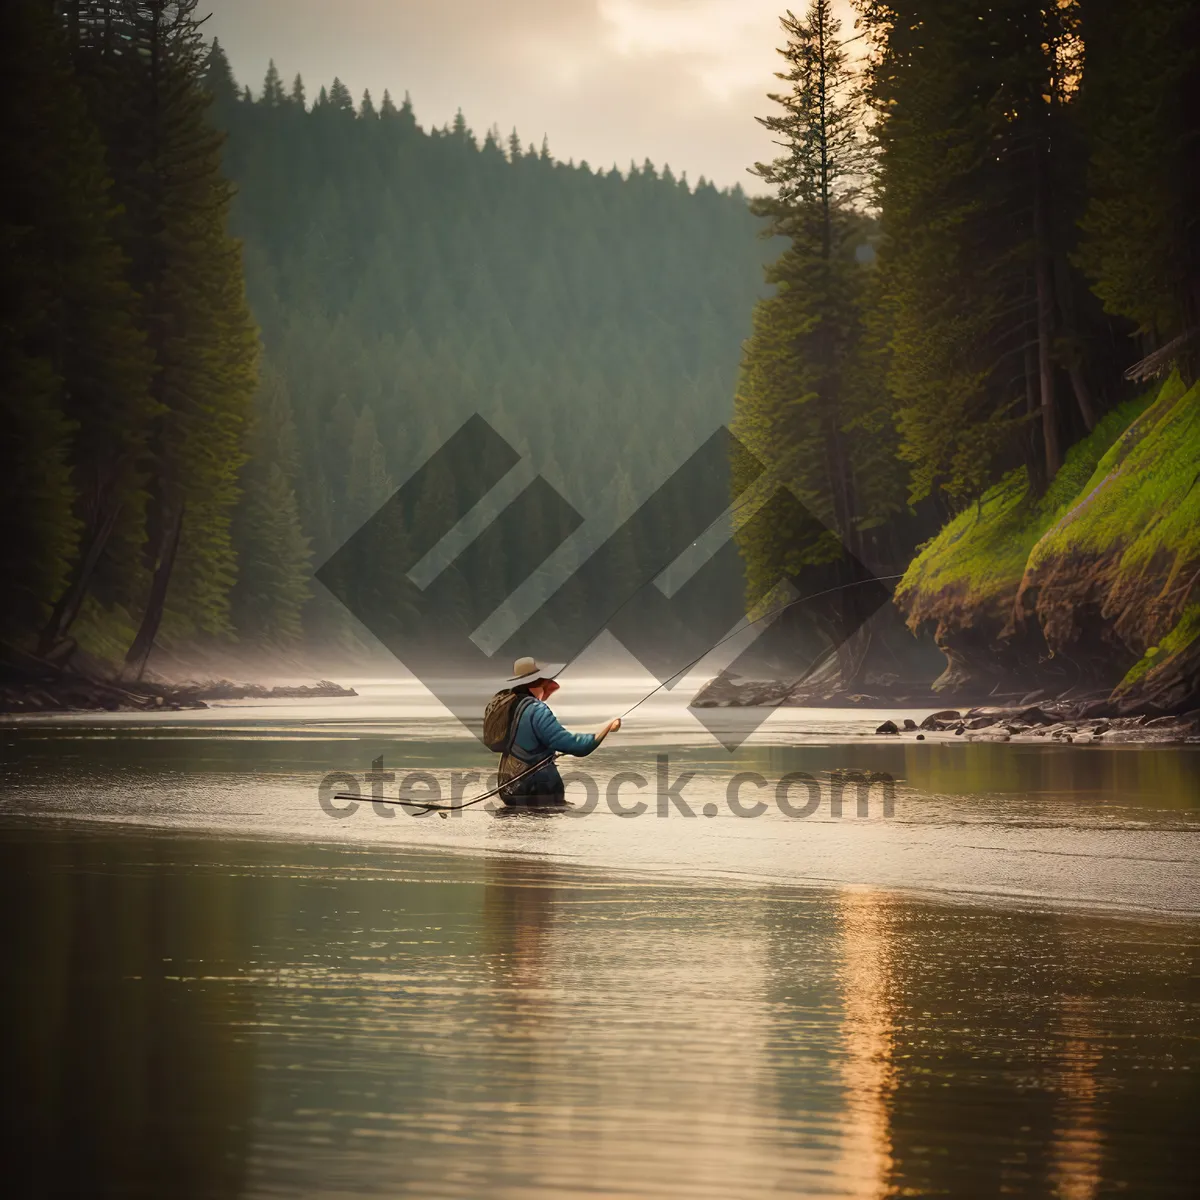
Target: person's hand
{"x": 613, "y": 725}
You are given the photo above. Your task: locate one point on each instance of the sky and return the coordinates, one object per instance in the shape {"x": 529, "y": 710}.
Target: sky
{"x": 676, "y": 81}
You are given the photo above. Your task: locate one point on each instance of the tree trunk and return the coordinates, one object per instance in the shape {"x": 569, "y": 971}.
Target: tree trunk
{"x": 1189, "y": 360}
{"x": 70, "y": 602}
{"x": 1072, "y": 344}
{"x": 143, "y": 643}
{"x": 102, "y": 519}
{"x": 1083, "y": 395}
{"x": 1044, "y": 282}
{"x": 1034, "y": 460}
{"x": 852, "y": 658}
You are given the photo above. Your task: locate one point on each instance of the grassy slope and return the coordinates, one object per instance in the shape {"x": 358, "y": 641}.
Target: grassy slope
{"x": 980, "y": 556}
{"x": 1129, "y": 490}
{"x": 1185, "y": 631}
{"x": 1141, "y": 493}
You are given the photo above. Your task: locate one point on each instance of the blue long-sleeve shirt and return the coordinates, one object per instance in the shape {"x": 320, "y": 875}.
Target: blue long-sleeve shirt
{"x": 539, "y": 734}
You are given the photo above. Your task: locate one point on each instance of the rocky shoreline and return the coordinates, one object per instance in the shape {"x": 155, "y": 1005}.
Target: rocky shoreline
{"x": 1080, "y": 718}
{"x": 77, "y": 694}
{"x": 1067, "y": 723}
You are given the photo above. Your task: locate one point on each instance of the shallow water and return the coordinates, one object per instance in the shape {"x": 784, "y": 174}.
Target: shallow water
{"x": 1094, "y": 826}
{"x": 216, "y": 989}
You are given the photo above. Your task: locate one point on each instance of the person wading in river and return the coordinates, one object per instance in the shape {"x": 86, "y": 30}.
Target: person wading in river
{"x": 519, "y": 725}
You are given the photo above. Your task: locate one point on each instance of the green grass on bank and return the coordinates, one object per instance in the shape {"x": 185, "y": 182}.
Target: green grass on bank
{"x": 1127, "y": 497}
{"x": 1185, "y": 632}
{"x": 1142, "y": 502}
{"x": 981, "y": 554}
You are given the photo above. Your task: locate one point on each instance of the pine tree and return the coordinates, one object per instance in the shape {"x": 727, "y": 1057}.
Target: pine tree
{"x": 1039, "y": 62}
{"x": 795, "y": 403}
{"x": 368, "y": 483}
{"x": 218, "y": 75}
{"x": 1142, "y": 229}
{"x": 274, "y": 558}
{"x": 166, "y": 159}
{"x": 76, "y": 371}
{"x": 297, "y": 96}
{"x": 340, "y": 98}
{"x": 930, "y": 137}
{"x": 975, "y": 110}
{"x": 39, "y": 533}
{"x": 460, "y": 132}
{"x": 273, "y": 94}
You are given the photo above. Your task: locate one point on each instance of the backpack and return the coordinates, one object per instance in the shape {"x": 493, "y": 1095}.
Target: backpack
{"x": 500, "y": 720}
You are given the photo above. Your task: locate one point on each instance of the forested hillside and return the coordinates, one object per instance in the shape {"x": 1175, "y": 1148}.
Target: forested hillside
{"x": 237, "y": 318}
{"x": 404, "y": 279}
{"x": 1031, "y": 176}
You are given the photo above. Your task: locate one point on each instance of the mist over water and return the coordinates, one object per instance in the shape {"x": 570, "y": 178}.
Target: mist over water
{"x": 1099, "y": 827}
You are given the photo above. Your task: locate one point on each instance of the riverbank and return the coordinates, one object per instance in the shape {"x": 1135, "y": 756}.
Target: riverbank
{"x": 92, "y": 695}
{"x": 30, "y": 685}
{"x": 1089, "y": 587}
{"x": 1053, "y": 723}
{"x": 1072, "y": 720}
{"x": 1072, "y": 613}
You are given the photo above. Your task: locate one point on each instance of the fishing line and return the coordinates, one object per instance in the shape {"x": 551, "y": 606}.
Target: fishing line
{"x": 738, "y": 632}
{"x": 426, "y": 807}
{"x": 423, "y": 807}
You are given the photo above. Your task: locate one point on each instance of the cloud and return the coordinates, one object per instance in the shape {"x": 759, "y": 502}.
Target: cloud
{"x": 676, "y": 81}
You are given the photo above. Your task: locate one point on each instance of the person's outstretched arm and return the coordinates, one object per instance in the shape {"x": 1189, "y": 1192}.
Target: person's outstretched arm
{"x": 550, "y": 732}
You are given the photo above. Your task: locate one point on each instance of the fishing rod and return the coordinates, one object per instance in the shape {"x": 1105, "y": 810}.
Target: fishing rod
{"x": 423, "y": 807}
{"x": 738, "y": 632}
{"x": 444, "y": 808}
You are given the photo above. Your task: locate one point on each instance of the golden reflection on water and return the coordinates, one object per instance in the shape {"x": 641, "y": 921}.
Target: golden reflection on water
{"x": 868, "y": 1033}
{"x": 1078, "y": 1147}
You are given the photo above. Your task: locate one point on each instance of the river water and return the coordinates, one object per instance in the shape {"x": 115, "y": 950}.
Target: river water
{"x": 222, "y": 981}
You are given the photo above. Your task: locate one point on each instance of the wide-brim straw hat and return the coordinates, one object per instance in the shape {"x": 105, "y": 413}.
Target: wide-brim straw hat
{"x": 529, "y": 670}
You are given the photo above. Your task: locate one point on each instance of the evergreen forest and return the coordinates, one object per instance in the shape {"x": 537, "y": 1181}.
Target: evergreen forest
{"x": 242, "y": 315}
{"x": 1028, "y": 317}
{"x": 239, "y": 315}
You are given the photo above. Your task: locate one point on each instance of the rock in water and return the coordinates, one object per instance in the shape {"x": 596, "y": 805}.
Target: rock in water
{"x": 888, "y": 727}
{"x": 938, "y": 720}
{"x": 1035, "y": 716}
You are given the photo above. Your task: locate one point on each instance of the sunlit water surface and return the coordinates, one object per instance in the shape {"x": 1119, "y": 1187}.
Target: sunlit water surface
{"x": 216, "y": 988}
